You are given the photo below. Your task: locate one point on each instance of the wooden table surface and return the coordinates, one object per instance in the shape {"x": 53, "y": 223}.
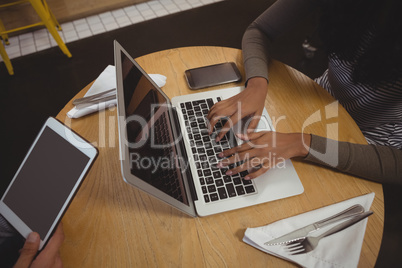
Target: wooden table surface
{"x": 112, "y": 224}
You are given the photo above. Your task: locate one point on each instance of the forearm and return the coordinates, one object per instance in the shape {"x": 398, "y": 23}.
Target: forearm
{"x": 6, "y": 230}
{"x": 255, "y": 53}
{"x": 378, "y": 163}
{"x": 276, "y": 20}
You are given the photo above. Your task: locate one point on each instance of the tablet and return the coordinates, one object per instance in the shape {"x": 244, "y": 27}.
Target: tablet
{"x": 47, "y": 180}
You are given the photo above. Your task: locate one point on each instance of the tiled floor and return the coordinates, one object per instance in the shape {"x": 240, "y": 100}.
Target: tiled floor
{"x": 32, "y": 42}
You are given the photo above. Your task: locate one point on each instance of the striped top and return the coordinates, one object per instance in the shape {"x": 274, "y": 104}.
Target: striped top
{"x": 376, "y": 110}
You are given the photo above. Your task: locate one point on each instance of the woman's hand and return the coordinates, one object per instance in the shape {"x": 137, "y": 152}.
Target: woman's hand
{"x": 249, "y": 102}
{"x": 263, "y": 150}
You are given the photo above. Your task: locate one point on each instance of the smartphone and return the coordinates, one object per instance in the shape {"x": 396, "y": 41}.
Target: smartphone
{"x": 212, "y": 75}
{"x": 47, "y": 180}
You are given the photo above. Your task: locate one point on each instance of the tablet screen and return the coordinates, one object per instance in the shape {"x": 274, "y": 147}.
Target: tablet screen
{"x": 45, "y": 181}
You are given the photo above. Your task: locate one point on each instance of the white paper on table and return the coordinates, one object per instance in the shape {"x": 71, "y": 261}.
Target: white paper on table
{"x": 106, "y": 81}
{"x": 341, "y": 249}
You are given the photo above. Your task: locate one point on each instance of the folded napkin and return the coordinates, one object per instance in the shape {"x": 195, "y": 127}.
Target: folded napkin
{"x": 341, "y": 249}
{"x": 105, "y": 81}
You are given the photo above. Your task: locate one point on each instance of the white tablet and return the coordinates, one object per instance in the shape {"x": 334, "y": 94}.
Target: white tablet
{"x": 47, "y": 180}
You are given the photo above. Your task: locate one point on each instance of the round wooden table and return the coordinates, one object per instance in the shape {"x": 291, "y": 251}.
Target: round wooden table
{"x": 112, "y": 224}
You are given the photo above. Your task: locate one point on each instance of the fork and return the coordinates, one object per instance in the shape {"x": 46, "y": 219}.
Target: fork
{"x": 309, "y": 243}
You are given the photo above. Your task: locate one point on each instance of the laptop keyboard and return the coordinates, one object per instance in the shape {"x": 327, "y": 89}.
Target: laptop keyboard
{"x": 215, "y": 185}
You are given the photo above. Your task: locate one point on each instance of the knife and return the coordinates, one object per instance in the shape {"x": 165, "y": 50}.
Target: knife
{"x": 93, "y": 97}
{"x": 304, "y": 231}
{"x": 96, "y": 101}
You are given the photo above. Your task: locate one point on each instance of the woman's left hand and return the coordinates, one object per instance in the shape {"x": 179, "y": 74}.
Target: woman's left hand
{"x": 263, "y": 150}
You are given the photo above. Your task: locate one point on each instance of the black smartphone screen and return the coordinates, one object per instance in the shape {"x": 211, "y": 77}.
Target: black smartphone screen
{"x": 212, "y": 75}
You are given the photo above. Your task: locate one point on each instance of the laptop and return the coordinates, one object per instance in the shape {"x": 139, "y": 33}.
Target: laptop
{"x": 166, "y": 151}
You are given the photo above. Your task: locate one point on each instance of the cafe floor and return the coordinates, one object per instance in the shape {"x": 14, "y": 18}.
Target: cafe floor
{"x": 45, "y": 79}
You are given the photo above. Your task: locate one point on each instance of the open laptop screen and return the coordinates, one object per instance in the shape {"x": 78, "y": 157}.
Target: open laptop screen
{"x": 152, "y": 152}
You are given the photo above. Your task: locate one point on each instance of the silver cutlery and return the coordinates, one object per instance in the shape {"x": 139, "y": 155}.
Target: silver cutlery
{"x": 304, "y": 231}
{"x": 309, "y": 243}
{"x": 95, "y": 97}
{"x": 95, "y": 101}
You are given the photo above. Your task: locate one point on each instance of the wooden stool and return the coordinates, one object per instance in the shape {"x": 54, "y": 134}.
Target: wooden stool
{"x": 48, "y": 20}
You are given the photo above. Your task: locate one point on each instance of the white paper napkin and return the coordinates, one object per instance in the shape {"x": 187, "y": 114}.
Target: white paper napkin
{"x": 105, "y": 81}
{"x": 341, "y": 249}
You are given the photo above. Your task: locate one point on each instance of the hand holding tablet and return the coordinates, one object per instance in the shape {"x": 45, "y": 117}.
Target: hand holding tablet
{"x": 47, "y": 180}
{"x": 50, "y": 255}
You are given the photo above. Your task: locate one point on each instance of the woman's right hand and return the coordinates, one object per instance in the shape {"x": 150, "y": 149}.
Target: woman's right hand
{"x": 250, "y": 102}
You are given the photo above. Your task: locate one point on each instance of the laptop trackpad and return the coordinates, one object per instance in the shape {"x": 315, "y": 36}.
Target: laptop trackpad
{"x": 242, "y": 125}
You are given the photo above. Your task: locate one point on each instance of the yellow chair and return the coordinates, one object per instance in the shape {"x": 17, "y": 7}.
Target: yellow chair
{"x": 48, "y": 20}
